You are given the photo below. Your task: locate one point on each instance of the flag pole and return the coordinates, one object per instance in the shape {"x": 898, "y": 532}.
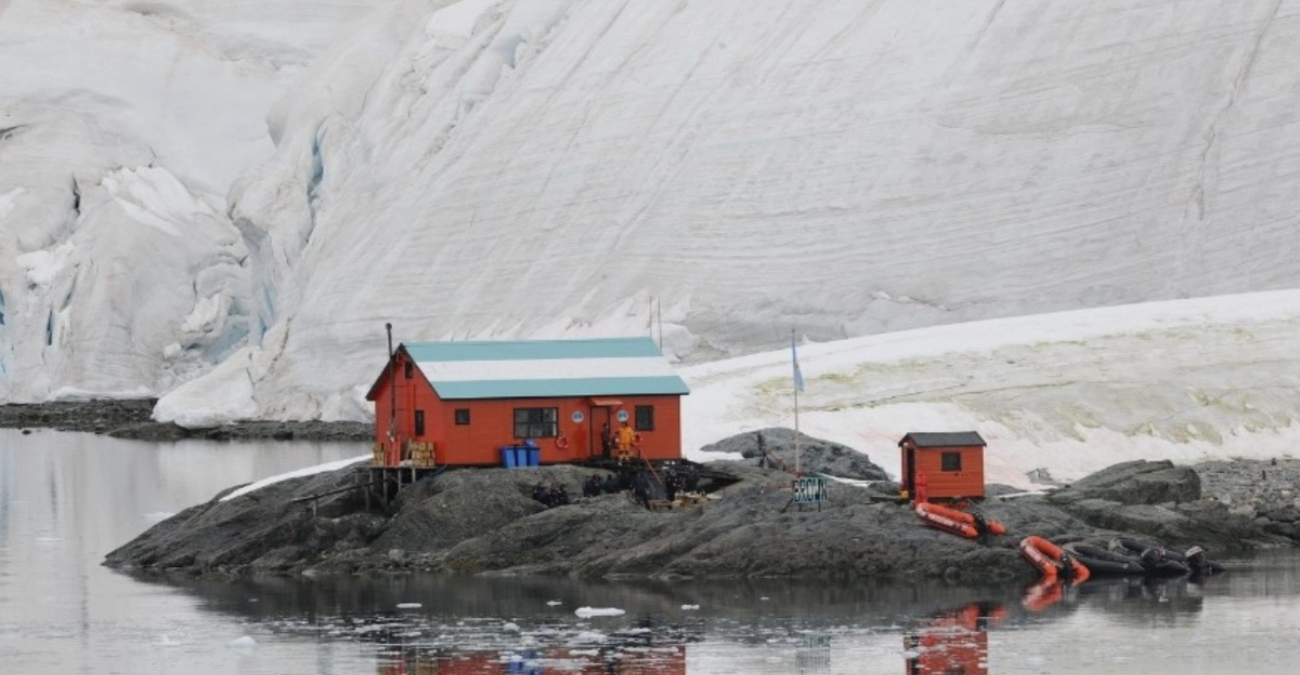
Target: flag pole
{"x": 796, "y": 405}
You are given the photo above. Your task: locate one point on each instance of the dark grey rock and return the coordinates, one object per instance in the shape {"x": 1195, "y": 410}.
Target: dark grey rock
{"x": 816, "y": 456}
{"x": 483, "y": 521}
{"x": 1138, "y": 482}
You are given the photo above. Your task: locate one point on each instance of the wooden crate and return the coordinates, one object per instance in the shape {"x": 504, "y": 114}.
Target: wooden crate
{"x": 422, "y": 455}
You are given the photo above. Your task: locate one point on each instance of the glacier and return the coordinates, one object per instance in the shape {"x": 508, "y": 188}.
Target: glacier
{"x": 717, "y": 173}
{"x": 549, "y": 168}
{"x": 122, "y": 126}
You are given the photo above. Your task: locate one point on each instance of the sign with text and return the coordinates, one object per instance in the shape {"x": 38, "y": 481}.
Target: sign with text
{"x": 810, "y": 491}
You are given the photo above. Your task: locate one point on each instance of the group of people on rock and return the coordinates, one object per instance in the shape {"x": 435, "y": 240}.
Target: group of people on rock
{"x": 595, "y": 486}
{"x": 551, "y": 495}
{"x": 643, "y": 484}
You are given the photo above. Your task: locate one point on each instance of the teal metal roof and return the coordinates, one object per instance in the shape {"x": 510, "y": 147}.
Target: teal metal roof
{"x": 532, "y": 350}
{"x": 589, "y": 386}
{"x": 546, "y": 368}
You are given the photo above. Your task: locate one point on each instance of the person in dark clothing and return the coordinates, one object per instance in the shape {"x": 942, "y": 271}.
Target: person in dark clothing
{"x": 692, "y": 479}
{"x": 606, "y": 441}
{"x": 641, "y": 489}
{"x": 541, "y": 494}
{"x": 559, "y": 496}
{"x": 592, "y": 486}
{"x": 670, "y": 484}
{"x": 611, "y": 484}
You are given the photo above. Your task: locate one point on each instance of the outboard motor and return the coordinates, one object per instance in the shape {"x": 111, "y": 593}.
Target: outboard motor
{"x": 1067, "y": 567}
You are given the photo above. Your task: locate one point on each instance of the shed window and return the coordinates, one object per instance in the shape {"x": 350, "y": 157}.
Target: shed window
{"x": 537, "y": 422}
{"x": 419, "y": 423}
{"x": 462, "y": 416}
{"x": 645, "y": 418}
{"x": 409, "y": 369}
{"x": 951, "y": 461}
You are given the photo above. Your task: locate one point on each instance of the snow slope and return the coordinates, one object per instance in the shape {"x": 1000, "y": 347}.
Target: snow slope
{"x": 1070, "y": 392}
{"x": 500, "y": 168}
{"x": 122, "y": 124}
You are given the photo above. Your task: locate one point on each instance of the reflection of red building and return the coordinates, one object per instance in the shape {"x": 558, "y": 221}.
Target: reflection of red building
{"x": 953, "y": 643}
{"x": 550, "y": 661}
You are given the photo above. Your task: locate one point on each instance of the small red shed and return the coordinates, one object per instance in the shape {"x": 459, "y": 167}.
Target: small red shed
{"x": 468, "y": 400}
{"x": 951, "y": 464}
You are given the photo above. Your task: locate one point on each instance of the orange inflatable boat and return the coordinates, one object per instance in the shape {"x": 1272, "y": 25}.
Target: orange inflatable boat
{"x": 1052, "y": 561}
{"x": 957, "y": 522}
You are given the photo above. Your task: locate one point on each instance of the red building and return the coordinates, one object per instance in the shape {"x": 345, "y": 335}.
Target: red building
{"x": 471, "y": 399}
{"x": 951, "y": 464}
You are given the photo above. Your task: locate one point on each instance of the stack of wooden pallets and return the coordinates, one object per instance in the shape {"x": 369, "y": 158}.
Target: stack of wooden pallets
{"x": 422, "y": 456}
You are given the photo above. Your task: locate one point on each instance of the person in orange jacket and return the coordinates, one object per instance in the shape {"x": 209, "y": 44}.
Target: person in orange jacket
{"x": 625, "y": 439}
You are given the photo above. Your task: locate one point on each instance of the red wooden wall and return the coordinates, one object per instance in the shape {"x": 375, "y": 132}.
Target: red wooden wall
{"x": 968, "y": 483}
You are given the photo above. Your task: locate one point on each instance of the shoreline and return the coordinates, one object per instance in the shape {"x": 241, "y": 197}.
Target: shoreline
{"x": 484, "y": 522}
{"x": 132, "y": 419}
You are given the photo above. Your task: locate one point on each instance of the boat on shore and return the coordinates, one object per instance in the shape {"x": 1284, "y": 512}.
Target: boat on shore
{"x": 960, "y": 523}
{"x": 1052, "y": 561}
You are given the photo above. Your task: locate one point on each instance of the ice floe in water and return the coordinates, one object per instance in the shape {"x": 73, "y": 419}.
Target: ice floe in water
{"x": 409, "y": 605}
{"x": 589, "y": 637}
{"x": 588, "y": 612}
{"x": 245, "y": 643}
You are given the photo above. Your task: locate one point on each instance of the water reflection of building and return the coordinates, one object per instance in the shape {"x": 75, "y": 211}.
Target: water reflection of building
{"x": 955, "y": 642}
{"x": 545, "y": 661}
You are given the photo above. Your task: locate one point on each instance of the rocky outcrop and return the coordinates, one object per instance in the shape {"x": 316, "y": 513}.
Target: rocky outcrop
{"x": 481, "y": 521}
{"x": 816, "y": 456}
{"x": 1138, "y": 482}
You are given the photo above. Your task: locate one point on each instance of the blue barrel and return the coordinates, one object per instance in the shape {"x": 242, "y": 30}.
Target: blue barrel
{"x": 534, "y": 456}
{"x": 508, "y": 457}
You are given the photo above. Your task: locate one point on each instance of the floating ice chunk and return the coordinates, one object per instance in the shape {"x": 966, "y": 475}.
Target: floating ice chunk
{"x": 245, "y": 643}
{"x": 553, "y": 603}
{"x": 167, "y": 641}
{"x": 690, "y": 607}
{"x": 510, "y": 627}
{"x": 587, "y": 637}
{"x": 588, "y": 612}
{"x": 765, "y": 598}
{"x": 409, "y": 605}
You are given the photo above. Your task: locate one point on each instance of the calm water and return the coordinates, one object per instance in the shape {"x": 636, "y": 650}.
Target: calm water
{"x": 67, "y": 499}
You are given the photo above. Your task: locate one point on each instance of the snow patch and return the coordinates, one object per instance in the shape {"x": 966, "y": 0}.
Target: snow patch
{"x": 8, "y": 199}
{"x": 153, "y": 196}
{"x": 456, "y": 23}
{"x": 299, "y": 473}
{"x": 42, "y": 267}
{"x": 79, "y": 394}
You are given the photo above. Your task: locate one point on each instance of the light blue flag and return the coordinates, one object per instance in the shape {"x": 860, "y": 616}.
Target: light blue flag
{"x": 798, "y": 374}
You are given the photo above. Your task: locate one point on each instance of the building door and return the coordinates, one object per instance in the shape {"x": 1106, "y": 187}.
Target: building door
{"x": 600, "y": 417}
{"x": 909, "y": 481}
